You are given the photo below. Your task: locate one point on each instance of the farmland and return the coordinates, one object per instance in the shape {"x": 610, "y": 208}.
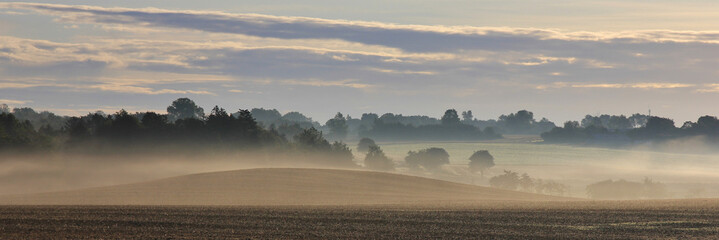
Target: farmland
{"x": 579, "y": 220}
{"x": 579, "y": 166}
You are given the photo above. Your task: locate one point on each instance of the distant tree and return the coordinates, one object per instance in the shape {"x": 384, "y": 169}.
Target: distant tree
{"x": 154, "y": 121}
{"x": 517, "y": 122}
{"x": 571, "y": 125}
{"x": 480, "y": 161}
{"x": 296, "y": 117}
{"x": 591, "y": 121}
{"x": 338, "y": 126}
{"x": 341, "y": 154}
{"x": 620, "y": 189}
{"x": 430, "y": 159}
{"x": 619, "y": 123}
{"x": 368, "y": 118}
{"x": 377, "y": 160}
{"x": 657, "y": 126}
{"x": 653, "y": 189}
{"x": 183, "y": 108}
{"x": 4, "y": 108}
{"x": 508, "y": 180}
{"x": 124, "y": 126}
{"x": 526, "y": 182}
{"x": 707, "y": 125}
{"x": 289, "y": 130}
{"x": 16, "y": 134}
{"x": 467, "y": 116}
{"x": 638, "y": 120}
{"x": 364, "y": 145}
{"x": 266, "y": 116}
{"x": 311, "y": 139}
{"x": 77, "y": 129}
{"x": 450, "y": 117}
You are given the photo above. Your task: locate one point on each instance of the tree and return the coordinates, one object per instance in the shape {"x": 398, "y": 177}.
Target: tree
{"x": 266, "y": 116}
{"x": 154, "y": 121}
{"x": 183, "y": 108}
{"x": 338, "y": 126}
{"x": 660, "y": 126}
{"x": 708, "y": 125}
{"x": 479, "y": 161}
{"x": 124, "y": 126}
{"x": 467, "y": 116}
{"x": 377, "y": 160}
{"x": 296, "y": 117}
{"x": 508, "y": 180}
{"x": 518, "y": 122}
{"x": 341, "y": 154}
{"x": 526, "y": 182}
{"x": 430, "y": 159}
{"x": 365, "y": 144}
{"x": 4, "y": 108}
{"x": 450, "y": 117}
{"x": 311, "y": 139}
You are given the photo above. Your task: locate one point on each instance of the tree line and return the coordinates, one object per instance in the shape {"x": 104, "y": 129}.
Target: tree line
{"x": 636, "y": 129}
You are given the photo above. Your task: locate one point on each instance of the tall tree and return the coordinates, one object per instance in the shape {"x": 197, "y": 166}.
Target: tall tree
{"x": 450, "y": 117}
{"x": 183, "y": 108}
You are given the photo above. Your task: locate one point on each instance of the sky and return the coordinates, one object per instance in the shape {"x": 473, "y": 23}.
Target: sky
{"x": 559, "y": 59}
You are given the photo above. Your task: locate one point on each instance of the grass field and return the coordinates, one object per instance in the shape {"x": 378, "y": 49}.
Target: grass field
{"x": 539, "y": 221}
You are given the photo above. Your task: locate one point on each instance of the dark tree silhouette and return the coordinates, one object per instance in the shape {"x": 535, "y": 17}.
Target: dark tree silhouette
{"x": 377, "y": 160}
{"x": 450, "y": 117}
{"x": 183, "y": 108}
{"x": 480, "y": 161}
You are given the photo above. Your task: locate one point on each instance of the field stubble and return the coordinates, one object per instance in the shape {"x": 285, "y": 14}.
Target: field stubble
{"x": 506, "y": 220}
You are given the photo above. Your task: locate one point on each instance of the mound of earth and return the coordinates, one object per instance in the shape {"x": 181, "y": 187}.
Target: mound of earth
{"x": 280, "y": 186}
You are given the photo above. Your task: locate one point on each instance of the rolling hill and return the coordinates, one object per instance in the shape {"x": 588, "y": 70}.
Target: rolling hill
{"x": 279, "y": 186}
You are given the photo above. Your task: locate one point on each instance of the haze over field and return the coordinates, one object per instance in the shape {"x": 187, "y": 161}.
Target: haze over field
{"x": 326, "y": 119}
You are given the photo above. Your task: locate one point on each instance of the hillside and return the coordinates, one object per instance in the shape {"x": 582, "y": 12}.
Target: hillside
{"x": 280, "y": 186}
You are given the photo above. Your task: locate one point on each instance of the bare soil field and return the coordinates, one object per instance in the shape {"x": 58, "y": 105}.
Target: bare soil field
{"x": 339, "y": 204}
{"x": 690, "y": 219}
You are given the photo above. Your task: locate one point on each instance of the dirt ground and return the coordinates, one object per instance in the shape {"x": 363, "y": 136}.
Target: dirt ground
{"x": 573, "y": 220}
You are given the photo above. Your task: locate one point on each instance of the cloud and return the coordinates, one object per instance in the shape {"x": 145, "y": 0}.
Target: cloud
{"x": 14, "y": 102}
{"x": 709, "y": 88}
{"x": 150, "y": 53}
{"x": 120, "y": 88}
{"x": 317, "y": 83}
{"x": 416, "y": 38}
{"x": 644, "y": 85}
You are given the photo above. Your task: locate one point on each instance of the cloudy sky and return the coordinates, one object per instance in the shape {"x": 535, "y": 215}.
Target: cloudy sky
{"x": 560, "y": 59}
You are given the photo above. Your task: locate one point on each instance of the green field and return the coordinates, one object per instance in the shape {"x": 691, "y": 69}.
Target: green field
{"x": 579, "y": 166}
